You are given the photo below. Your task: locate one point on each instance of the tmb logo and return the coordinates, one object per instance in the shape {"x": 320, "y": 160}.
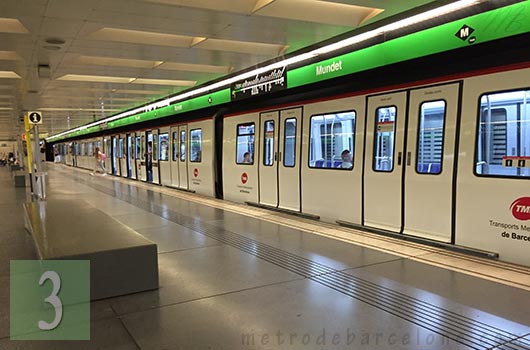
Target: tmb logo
{"x": 244, "y": 178}
{"x": 195, "y": 172}
{"x": 521, "y": 208}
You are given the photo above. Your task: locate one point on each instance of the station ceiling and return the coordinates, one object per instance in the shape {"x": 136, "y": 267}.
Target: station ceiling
{"x": 81, "y": 60}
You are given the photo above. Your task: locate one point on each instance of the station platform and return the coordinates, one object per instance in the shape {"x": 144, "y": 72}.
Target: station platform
{"x": 238, "y": 277}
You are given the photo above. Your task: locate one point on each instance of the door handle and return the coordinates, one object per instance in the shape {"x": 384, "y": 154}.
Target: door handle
{"x": 275, "y": 156}
{"x": 408, "y": 158}
{"x": 279, "y": 156}
{"x": 399, "y": 158}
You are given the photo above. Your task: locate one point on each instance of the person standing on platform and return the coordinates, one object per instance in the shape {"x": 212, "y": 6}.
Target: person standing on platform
{"x": 100, "y": 162}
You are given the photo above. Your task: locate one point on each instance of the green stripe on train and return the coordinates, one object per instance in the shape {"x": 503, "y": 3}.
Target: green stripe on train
{"x": 500, "y": 23}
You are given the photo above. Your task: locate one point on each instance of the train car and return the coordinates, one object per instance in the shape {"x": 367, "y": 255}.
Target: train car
{"x": 446, "y": 161}
{"x": 420, "y": 161}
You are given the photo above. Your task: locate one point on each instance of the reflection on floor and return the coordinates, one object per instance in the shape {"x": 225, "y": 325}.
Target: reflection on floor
{"x": 234, "y": 277}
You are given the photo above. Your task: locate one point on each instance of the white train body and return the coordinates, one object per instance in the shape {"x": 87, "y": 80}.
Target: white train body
{"x": 446, "y": 161}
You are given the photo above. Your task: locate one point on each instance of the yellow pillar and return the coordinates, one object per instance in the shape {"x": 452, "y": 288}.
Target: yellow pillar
{"x": 27, "y": 128}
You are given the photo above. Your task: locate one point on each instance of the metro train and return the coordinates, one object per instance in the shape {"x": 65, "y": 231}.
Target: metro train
{"x": 435, "y": 148}
{"x": 447, "y": 161}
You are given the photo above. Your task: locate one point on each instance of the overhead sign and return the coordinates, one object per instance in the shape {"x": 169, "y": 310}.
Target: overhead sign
{"x": 261, "y": 84}
{"x": 35, "y": 117}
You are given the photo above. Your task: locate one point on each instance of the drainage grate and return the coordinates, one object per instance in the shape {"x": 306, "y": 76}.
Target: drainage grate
{"x": 462, "y": 329}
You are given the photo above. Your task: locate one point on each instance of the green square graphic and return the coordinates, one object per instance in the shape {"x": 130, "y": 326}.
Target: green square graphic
{"x": 50, "y": 300}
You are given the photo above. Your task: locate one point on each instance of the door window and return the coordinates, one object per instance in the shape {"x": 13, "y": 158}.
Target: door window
{"x": 384, "y": 139}
{"x": 155, "y": 146}
{"x": 268, "y": 143}
{"x": 430, "y": 137}
{"x": 164, "y": 146}
{"x": 174, "y": 145}
{"x": 289, "y": 147}
{"x": 183, "y": 146}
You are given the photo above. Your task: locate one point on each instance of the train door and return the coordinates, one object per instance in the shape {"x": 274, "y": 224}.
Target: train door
{"x": 140, "y": 156}
{"x": 164, "y": 156}
{"x": 183, "y": 160}
{"x": 268, "y": 162}
{"x": 155, "y": 156}
{"x": 409, "y": 172}
{"x": 108, "y": 153}
{"x": 115, "y": 156}
{"x": 383, "y": 161}
{"x": 174, "y": 162}
{"x": 279, "y": 163}
{"x": 430, "y": 155}
{"x": 130, "y": 156}
{"x": 148, "y": 156}
{"x": 133, "y": 156}
{"x": 123, "y": 155}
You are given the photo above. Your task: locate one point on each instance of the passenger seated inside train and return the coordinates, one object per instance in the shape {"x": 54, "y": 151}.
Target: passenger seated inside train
{"x": 247, "y": 158}
{"x": 346, "y": 160}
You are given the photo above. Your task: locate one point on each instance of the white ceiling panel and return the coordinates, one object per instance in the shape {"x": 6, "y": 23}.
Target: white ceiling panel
{"x": 59, "y": 28}
{"x": 318, "y": 11}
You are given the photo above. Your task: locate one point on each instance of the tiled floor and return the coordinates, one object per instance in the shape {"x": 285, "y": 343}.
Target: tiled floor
{"x": 232, "y": 277}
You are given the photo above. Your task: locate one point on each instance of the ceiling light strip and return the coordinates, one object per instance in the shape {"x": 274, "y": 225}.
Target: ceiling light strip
{"x": 425, "y": 16}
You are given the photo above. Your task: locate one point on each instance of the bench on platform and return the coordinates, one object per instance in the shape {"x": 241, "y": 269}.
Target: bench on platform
{"x": 121, "y": 260}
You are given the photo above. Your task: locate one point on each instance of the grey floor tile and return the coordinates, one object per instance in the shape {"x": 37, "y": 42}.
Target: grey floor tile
{"x": 4, "y": 307}
{"x": 198, "y": 273}
{"x": 176, "y": 237}
{"x": 15, "y": 236}
{"x": 144, "y": 220}
{"x": 335, "y": 254}
{"x": 294, "y": 315}
{"x": 501, "y": 300}
{"x": 106, "y": 334}
{"x": 15, "y": 252}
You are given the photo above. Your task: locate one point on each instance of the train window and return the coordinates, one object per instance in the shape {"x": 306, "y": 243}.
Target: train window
{"x": 289, "y": 144}
{"x": 268, "y": 143}
{"x": 83, "y": 149}
{"x": 384, "y": 139}
{"x": 90, "y": 149}
{"x": 142, "y": 147}
{"x": 430, "y": 137}
{"x": 332, "y": 140}
{"x": 132, "y": 147}
{"x": 138, "y": 147}
{"x": 503, "y": 135}
{"x": 164, "y": 146}
{"x": 120, "y": 148}
{"x": 174, "y": 145}
{"x": 124, "y": 147}
{"x": 182, "y": 146}
{"x": 154, "y": 143}
{"x": 196, "y": 145}
{"x": 245, "y": 143}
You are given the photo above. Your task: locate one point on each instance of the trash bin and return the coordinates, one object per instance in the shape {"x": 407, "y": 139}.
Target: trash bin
{"x": 20, "y": 178}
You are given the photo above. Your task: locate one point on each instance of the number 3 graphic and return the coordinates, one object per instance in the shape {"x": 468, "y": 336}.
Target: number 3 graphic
{"x": 53, "y": 299}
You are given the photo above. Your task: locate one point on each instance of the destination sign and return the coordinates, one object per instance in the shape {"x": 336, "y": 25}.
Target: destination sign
{"x": 261, "y": 84}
